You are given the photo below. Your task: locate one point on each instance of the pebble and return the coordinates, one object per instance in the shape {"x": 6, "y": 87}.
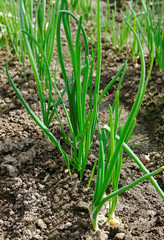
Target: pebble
{"x": 59, "y": 191}
{"x": 144, "y": 159}
{"x": 27, "y": 232}
{"x": 62, "y": 227}
{"x": 120, "y": 236}
{"x": 19, "y": 196}
{"x": 37, "y": 236}
{"x": 11, "y": 170}
{"x": 18, "y": 182}
{"x": 1, "y": 221}
{"x": 12, "y": 212}
{"x": 66, "y": 171}
{"x": 37, "y": 195}
{"x": 41, "y": 224}
{"x": 91, "y": 157}
{"x": 157, "y": 155}
{"x": 68, "y": 224}
{"x": 97, "y": 143}
{"x": 41, "y": 186}
{"x": 7, "y": 100}
{"x": 47, "y": 220}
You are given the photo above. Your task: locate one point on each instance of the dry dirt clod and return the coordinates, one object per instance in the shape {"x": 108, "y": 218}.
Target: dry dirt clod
{"x": 12, "y": 171}
{"x": 83, "y": 206}
{"x": 100, "y": 235}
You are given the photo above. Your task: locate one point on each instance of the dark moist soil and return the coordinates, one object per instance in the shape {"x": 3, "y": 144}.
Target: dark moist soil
{"x": 38, "y": 198}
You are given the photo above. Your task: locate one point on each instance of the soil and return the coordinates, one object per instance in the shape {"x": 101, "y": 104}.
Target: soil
{"x": 38, "y": 198}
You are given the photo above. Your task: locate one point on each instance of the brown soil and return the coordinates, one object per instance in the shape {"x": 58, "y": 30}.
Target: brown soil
{"x": 38, "y": 198}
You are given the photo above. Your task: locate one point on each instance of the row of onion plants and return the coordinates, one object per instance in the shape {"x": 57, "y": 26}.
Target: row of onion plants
{"x": 40, "y": 30}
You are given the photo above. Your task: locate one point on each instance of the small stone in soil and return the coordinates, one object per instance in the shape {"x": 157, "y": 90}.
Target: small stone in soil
{"x": 28, "y": 233}
{"x": 41, "y": 187}
{"x": 18, "y": 182}
{"x": 37, "y": 237}
{"x": 120, "y": 236}
{"x": 68, "y": 224}
{"x": 41, "y": 224}
{"x": 144, "y": 159}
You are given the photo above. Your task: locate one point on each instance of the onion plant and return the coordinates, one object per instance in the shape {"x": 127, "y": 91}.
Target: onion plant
{"x": 111, "y": 151}
{"x": 138, "y": 25}
{"x": 119, "y": 32}
{"x": 83, "y": 121}
{"x": 10, "y": 13}
{"x": 106, "y": 22}
{"x": 83, "y": 6}
{"x": 74, "y": 3}
{"x": 81, "y": 118}
{"x": 113, "y": 25}
{"x": 149, "y": 28}
{"x": 42, "y": 28}
{"x": 155, "y": 28}
{"x": 86, "y": 8}
{"x": 3, "y": 36}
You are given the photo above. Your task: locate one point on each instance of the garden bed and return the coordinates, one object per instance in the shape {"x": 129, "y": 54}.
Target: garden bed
{"x": 38, "y": 198}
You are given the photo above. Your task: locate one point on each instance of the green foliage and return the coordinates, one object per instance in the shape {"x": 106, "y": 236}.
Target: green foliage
{"x": 81, "y": 122}
{"x": 155, "y": 29}
{"x": 10, "y": 14}
{"x": 149, "y": 28}
{"x": 110, "y": 152}
{"x": 39, "y": 39}
{"x": 82, "y": 6}
{"x": 3, "y": 38}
